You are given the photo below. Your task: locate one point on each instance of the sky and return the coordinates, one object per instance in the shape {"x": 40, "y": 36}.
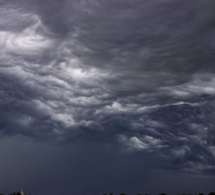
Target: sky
{"x": 100, "y": 96}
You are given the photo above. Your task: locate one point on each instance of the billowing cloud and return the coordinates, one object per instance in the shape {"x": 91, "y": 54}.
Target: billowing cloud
{"x": 136, "y": 73}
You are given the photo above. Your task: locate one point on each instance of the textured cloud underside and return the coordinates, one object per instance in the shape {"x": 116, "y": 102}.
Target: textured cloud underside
{"x": 137, "y": 73}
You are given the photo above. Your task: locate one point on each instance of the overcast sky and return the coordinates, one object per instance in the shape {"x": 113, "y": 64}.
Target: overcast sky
{"x": 100, "y": 96}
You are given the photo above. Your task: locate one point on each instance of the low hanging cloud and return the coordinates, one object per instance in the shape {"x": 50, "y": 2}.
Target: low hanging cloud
{"x": 136, "y": 73}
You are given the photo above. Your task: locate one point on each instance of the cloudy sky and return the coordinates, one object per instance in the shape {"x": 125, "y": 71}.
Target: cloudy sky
{"x": 100, "y": 96}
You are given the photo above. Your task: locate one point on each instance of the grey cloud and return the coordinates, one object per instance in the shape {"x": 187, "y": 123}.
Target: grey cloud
{"x": 136, "y": 73}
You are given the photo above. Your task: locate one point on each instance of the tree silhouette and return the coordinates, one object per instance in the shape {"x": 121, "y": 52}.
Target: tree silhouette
{"x": 211, "y": 193}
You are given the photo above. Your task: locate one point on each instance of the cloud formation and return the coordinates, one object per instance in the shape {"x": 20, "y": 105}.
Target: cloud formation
{"x": 137, "y": 73}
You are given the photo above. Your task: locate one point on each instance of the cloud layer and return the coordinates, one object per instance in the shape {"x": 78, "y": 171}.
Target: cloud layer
{"x": 136, "y": 73}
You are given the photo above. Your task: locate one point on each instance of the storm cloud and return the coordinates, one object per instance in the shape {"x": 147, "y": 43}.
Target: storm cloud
{"x": 135, "y": 74}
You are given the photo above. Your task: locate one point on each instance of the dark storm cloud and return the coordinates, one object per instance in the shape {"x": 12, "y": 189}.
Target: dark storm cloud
{"x": 137, "y": 73}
